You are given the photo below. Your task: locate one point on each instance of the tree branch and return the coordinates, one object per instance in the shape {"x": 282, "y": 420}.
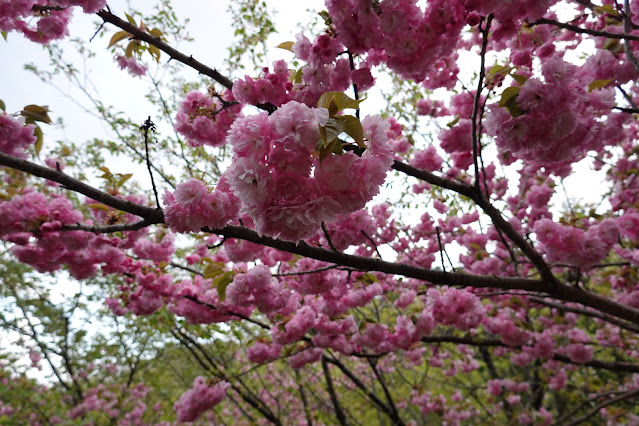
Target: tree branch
{"x": 630, "y": 394}
{"x": 148, "y": 213}
{"x": 548, "y": 284}
{"x": 139, "y": 34}
{"x": 581, "y": 30}
{"x": 586, "y": 312}
{"x": 109, "y": 228}
{"x": 604, "y": 365}
{"x": 371, "y": 395}
{"x": 331, "y": 391}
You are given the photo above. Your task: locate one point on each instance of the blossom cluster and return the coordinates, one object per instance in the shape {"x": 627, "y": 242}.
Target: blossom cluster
{"x": 205, "y": 120}
{"x": 200, "y": 398}
{"x": 53, "y": 17}
{"x": 15, "y": 136}
{"x": 273, "y": 87}
{"x": 575, "y": 246}
{"x": 192, "y": 207}
{"x": 557, "y": 118}
{"x": 287, "y": 191}
{"x": 416, "y": 43}
{"x": 132, "y": 65}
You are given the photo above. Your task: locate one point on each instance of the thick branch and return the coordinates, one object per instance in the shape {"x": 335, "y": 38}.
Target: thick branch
{"x": 109, "y": 228}
{"x": 549, "y": 284}
{"x": 331, "y": 391}
{"x": 371, "y": 264}
{"x": 150, "y": 214}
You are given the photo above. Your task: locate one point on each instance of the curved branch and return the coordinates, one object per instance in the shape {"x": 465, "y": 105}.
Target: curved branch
{"x": 604, "y": 365}
{"x": 372, "y": 264}
{"x": 581, "y": 30}
{"x": 150, "y": 214}
{"x": 586, "y": 312}
{"x": 495, "y": 214}
{"x": 549, "y": 284}
{"x": 368, "y": 392}
{"x": 139, "y": 34}
{"x": 630, "y": 394}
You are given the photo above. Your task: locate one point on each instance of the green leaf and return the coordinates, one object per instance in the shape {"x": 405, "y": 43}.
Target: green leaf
{"x": 212, "y": 271}
{"x": 155, "y": 52}
{"x": 598, "y": 84}
{"x": 4, "y": 35}
{"x": 222, "y": 282}
{"x": 130, "y": 48}
{"x": 513, "y": 108}
{"x": 334, "y": 127}
{"x": 521, "y": 79}
{"x": 326, "y": 17}
{"x": 36, "y": 113}
{"x": 508, "y": 94}
{"x": 3, "y": 106}
{"x": 326, "y": 101}
{"x": 455, "y": 121}
{"x": 98, "y": 206}
{"x": 156, "y": 32}
{"x": 607, "y": 8}
{"x": 335, "y": 102}
{"x": 117, "y": 37}
{"x": 367, "y": 278}
{"x": 353, "y": 128}
{"x": 130, "y": 19}
{"x": 499, "y": 69}
{"x": 123, "y": 179}
{"x": 287, "y": 45}
{"x": 613, "y": 45}
{"x": 334, "y": 147}
{"x": 296, "y": 77}
{"x": 39, "y": 140}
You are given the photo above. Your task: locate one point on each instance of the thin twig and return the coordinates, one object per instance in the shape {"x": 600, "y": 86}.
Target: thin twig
{"x": 627, "y": 16}
{"x": 630, "y": 394}
{"x": 139, "y": 34}
{"x": 476, "y": 101}
{"x": 328, "y": 238}
{"x": 149, "y": 125}
{"x": 581, "y": 30}
{"x": 373, "y": 243}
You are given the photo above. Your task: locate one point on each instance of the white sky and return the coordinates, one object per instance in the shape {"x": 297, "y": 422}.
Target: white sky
{"x": 209, "y": 26}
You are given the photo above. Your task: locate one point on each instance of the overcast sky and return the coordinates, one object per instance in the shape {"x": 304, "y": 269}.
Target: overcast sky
{"x": 209, "y": 26}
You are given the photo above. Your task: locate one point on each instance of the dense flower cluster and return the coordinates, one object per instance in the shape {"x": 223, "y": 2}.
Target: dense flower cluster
{"x": 192, "y": 207}
{"x": 272, "y": 170}
{"x": 52, "y": 21}
{"x": 411, "y": 39}
{"x": 200, "y": 398}
{"x": 273, "y": 87}
{"x": 205, "y": 120}
{"x": 15, "y": 137}
{"x": 575, "y": 246}
{"x": 557, "y": 119}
